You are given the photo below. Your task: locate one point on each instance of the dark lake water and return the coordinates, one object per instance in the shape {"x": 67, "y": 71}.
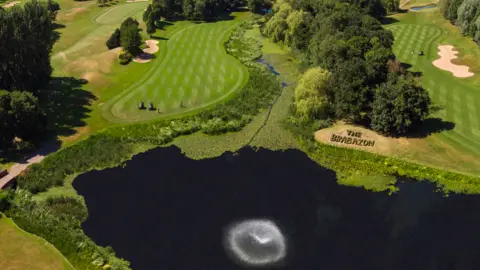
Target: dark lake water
{"x": 164, "y": 211}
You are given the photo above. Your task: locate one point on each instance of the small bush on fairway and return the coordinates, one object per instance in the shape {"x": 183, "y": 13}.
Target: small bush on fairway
{"x": 124, "y": 57}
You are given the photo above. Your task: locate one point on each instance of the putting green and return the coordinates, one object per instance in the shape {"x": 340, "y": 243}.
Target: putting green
{"x": 459, "y": 98}
{"x": 192, "y": 71}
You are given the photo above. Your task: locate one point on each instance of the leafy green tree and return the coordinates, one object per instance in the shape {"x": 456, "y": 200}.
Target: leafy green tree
{"x": 374, "y": 8}
{"x": 310, "y": 94}
{"x": 298, "y": 33}
{"x": 348, "y": 92}
{"x": 21, "y": 116}
{"x": 26, "y": 39}
{"x": 277, "y": 26}
{"x": 449, "y": 9}
{"x": 468, "y": 13}
{"x": 399, "y": 105}
{"x": 6, "y": 196}
{"x": 256, "y": 6}
{"x": 189, "y": 9}
{"x": 53, "y": 7}
{"x": 150, "y": 24}
{"x": 114, "y": 40}
{"x": 391, "y": 5}
{"x": 130, "y": 38}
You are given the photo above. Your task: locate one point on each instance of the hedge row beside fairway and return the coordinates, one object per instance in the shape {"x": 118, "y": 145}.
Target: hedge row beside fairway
{"x": 346, "y": 161}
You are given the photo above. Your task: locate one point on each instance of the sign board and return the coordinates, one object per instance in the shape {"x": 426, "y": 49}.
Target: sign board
{"x": 353, "y": 138}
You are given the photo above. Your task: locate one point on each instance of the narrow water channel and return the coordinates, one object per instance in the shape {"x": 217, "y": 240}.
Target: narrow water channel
{"x": 166, "y": 211}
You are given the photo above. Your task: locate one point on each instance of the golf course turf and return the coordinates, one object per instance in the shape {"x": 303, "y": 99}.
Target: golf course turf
{"x": 457, "y": 99}
{"x": 21, "y": 250}
{"x": 191, "y": 71}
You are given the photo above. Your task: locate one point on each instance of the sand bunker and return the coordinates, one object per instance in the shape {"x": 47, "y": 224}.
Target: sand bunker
{"x": 147, "y": 54}
{"x": 447, "y": 54}
{"x": 11, "y": 4}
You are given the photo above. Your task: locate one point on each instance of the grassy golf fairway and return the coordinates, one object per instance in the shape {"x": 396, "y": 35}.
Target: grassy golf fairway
{"x": 21, "y": 250}
{"x": 455, "y": 143}
{"x": 191, "y": 72}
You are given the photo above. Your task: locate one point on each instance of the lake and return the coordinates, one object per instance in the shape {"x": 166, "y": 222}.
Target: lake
{"x": 165, "y": 211}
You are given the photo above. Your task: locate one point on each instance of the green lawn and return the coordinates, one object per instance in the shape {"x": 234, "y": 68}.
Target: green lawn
{"x": 20, "y": 250}
{"x": 459, "y": 98}
{"x": 192, "y": 71}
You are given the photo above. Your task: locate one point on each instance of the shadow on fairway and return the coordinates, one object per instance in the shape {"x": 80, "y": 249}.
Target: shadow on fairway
{"x": 388, "y": 20}
{"x": 65, "y": 104}
{"x": 407, "y": 66}
{"x": 158, "y": 37}
{"x": 56, "y": 34}
{"x": 431, "y": 126}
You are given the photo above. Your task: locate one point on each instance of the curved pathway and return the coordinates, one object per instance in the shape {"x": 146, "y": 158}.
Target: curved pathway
{"x": 18, "y": 168}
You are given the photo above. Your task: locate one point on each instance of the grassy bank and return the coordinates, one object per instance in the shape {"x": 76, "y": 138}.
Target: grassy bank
{"x": 21, "y": 250}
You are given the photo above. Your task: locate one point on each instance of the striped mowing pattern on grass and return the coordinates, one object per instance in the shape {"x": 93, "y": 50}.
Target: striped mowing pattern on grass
{"x": 196, "y": 72}
{"x": 458, "y": 97}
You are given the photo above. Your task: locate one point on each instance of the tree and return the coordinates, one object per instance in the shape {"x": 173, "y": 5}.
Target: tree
{"x": 310, "y": 94}
{"x": 449, "y": 9}
{"x": 21, "y": 116}
{"x": 298, "y": 33}
{"x": 130, "y": 38}
{"x": 114, "y": 40}
{"x": 399, "y": 105}
{"x": 256, "y": 6}
{"x": 391, "y": 5}
{"x": 150, "y": 24}
{"x": 277, "y": 26}
{"x": 189, "y": 9}
{"x": 53, "y": 7}
{"x": 26, "y": 39}
{"x": 468, "y": 13}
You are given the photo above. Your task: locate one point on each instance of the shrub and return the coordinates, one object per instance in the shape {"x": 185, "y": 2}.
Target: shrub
{"x": 52, "y": 221}
{"x": 125, "y": 57}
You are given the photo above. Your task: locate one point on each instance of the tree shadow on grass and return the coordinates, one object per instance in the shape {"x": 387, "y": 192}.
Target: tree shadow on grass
{"x": 407, "y": 66}
{"x": 56, "y": 34}
{"x": 66, "y": 105}
{"x": 431, "y": 126}
{"x": 388, "y": 20}
{"x": 158, "y": 37}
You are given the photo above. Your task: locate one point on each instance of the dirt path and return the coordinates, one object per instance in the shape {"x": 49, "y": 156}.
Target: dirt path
{"x": 18, "y": 168}
{"x": 11, "y": 4}
{"x": 404, "y": 3}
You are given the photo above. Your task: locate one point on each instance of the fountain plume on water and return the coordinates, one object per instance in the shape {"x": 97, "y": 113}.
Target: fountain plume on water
{"x": 257, "y": 243}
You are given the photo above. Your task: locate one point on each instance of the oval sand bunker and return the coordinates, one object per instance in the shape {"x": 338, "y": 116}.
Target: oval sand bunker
{"x": 447, "y": 54}
{"x": 146, "y": 56}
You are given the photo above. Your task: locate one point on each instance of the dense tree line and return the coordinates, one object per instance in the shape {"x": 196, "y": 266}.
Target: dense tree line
{"x": 351, "y": 59}
{"x": 465, "y": 14}
{"x": 188, "y": 9}
{"x": 26, "y": 41}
